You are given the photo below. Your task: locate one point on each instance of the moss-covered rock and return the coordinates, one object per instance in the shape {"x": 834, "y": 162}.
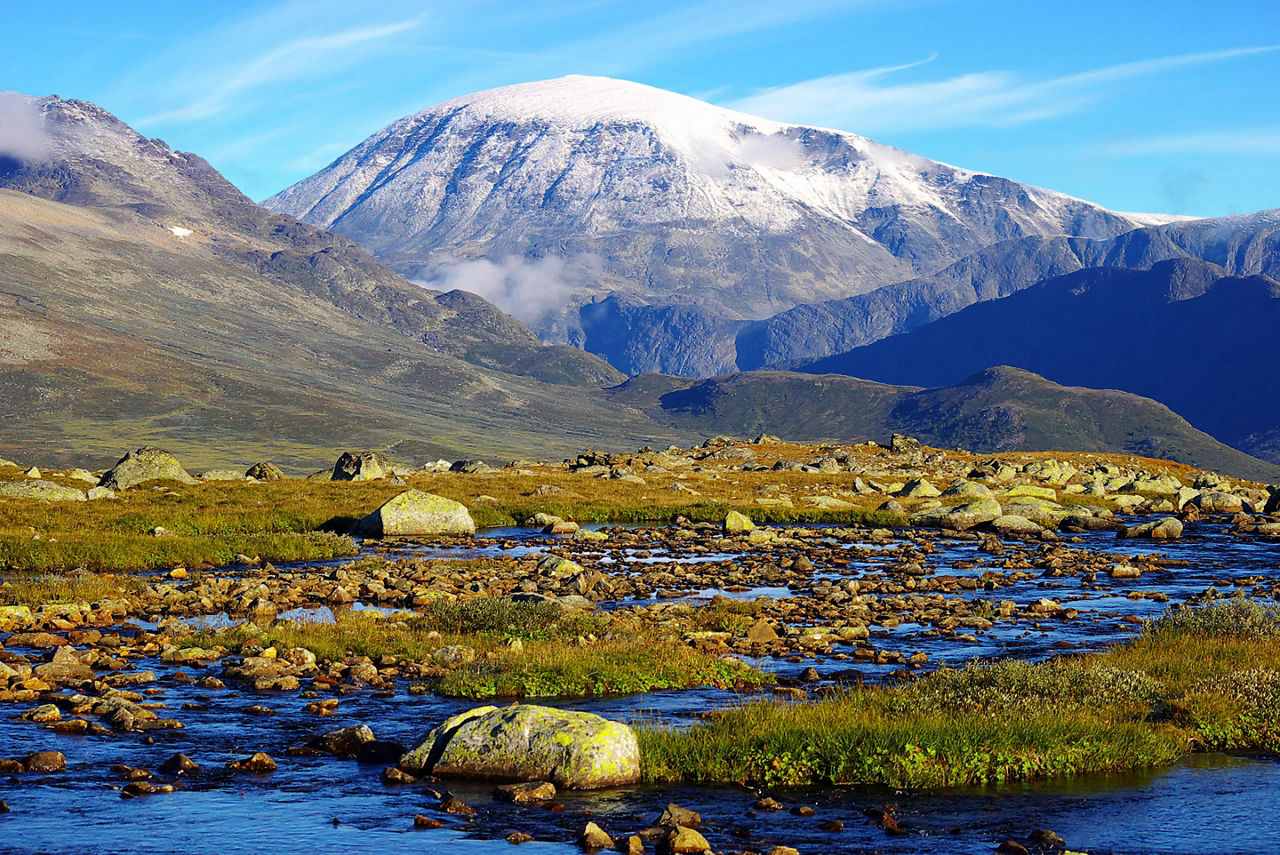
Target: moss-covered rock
{"x": 144, "y": 465}
{"x": 737, "y": 523}
{"x": 525, "y": 742}
{"x": 414, "y": 512}
{"x": 45, "y": 491}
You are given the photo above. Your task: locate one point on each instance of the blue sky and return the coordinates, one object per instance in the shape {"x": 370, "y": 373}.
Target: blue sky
{"x": 1141, "y": 106}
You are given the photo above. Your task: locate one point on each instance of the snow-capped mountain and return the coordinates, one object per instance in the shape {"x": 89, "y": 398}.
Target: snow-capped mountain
{"x": 546, "y": 196}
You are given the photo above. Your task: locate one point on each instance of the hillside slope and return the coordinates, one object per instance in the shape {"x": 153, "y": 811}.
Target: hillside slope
{"x": 996, "y": 409}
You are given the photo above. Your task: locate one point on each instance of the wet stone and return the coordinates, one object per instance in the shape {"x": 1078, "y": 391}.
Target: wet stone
{"x": 529, "y": 792}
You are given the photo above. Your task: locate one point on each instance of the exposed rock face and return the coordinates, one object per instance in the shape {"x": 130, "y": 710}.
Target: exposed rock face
{"x": 144, "y": 465}
{"x": 525, "y": 742}
{"x": 414, "y": 512}
{"x": 45, "y": 491}
{"x": 361, "y": 466}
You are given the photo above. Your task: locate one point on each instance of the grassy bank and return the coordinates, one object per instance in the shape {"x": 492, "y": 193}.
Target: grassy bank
{"x": 296, "y": 520}
{"x": 1195, "y": 679}
{"x": 561, "y": 652}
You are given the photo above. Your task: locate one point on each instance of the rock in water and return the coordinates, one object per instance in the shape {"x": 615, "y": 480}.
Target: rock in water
{"x": 145, "y": 464}
{"x": 414, "y": 512}
{"x": 737, "y": 523}
{"x": 45, "y": 491}
{"x": 525, "y": 742}
{"x": 361, "y": 466}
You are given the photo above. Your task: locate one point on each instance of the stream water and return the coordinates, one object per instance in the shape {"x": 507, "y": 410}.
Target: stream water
{"x": 1209, "y": 804}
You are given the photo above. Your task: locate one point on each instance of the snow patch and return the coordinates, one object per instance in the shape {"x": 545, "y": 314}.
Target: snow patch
{"x": 181, "y": 231}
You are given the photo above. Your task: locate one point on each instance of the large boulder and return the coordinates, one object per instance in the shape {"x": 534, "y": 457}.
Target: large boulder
{"x": 45, "y": 491}
{"x": 961, "y": 517}
{"x": 145, "y": 464}
{"x": 525, "y": 742}
{"x": 265, "y": 471}
{"x": 1273, "y": 501}
{"x": 736, "y": 522}
{"x": 414, "y": 512}
{"x": 361, "y": 466}
{"x": 1169, "y": 528}
{"x": 1215, "y": 502}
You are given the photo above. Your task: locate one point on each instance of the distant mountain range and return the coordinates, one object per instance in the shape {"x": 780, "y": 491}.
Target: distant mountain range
{"x": 143, "y": 299}
{"x": 671, "y": 222}
{"x": 1242, "y": 245}
{"x": 1182, "y": 332}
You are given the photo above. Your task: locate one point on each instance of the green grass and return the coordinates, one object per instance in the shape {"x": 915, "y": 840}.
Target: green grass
{"x": 40, "y": 589}
{"x": 616, "y": 666}
{"x": 559, "y": 654}
{"x": 298, "y": 520}
{"x": 1202, "y": 678}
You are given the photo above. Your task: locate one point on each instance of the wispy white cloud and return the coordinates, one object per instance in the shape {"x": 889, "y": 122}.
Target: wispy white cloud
{"x": 22, "y": 132}
{"x": 868, "y": 101}
{"x": 1262, "y": 142}
{"x": 296, "y": 58}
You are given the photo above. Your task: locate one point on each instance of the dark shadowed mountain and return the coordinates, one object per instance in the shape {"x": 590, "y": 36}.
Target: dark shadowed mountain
{"x": 996, "y": 409}
{"x": 1243, "y": 245}
{"x": 1183, "y": 332}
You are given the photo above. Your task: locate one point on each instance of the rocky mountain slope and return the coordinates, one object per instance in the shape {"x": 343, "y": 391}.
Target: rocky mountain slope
{"x": 997, "y": 409}
{"x": 706, "y": 216}
{"x": 93, "y": 160}
{"x": 1243, "y": 245}
{"x": 1183, "y": 332}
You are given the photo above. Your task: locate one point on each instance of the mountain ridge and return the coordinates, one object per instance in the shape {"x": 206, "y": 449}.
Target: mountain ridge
{"x": 726, "y": 215}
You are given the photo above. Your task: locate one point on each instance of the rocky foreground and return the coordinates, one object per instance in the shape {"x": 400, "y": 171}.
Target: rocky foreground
{"x": 924, "y": 556}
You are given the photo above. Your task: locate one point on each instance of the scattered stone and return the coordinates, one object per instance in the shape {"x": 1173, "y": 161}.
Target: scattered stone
{"x": 593, "y": 838}
{"x": 44, "y": 491}
{"x": 258, "y": 762}
{"x": 675, "y": 816}
{"x": 454, "y": 805}
{"x": 529, "y": 792}
{"x": 45, "y": 761}
{"x": 685, "y": 841}
{"x": 265, "y": 471}
{"x": 179, "y": 764}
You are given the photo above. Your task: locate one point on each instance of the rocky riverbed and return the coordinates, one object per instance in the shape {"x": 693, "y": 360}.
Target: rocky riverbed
{"x": 1028, "y": 559}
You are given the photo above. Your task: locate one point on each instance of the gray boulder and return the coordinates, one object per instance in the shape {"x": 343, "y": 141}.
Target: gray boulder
{"x": 1169, "y": 528}
{"x": 414, "y": 512}
{"x": 265, "y": 471}
{"x": 361, "y": 466}
{"x": 961, "y": 517}
{"x": 144, "y": 465}
{"x": 45, "y": 491}
{"x": 1215, "y": 502}
{"x": 525, "y": 742}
